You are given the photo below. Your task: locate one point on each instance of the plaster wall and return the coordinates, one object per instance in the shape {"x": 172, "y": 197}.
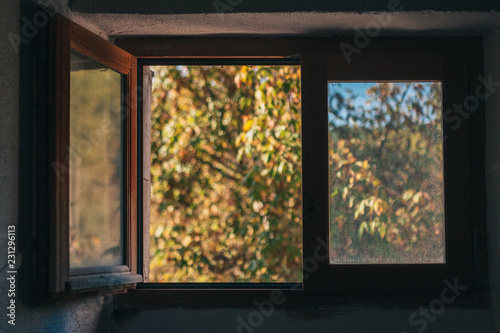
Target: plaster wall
{"x": 388, "y": 23}
{"x": 16, "y": 191}
{"x": 275, "y": 6}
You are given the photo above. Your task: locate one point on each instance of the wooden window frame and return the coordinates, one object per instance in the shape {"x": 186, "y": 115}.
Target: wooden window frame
{"x": 457, "y": 63}
{"x": 144, "y": 108}
{"x": 394, "y": 67}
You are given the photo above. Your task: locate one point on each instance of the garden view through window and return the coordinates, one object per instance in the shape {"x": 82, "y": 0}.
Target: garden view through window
{"x": 385, "y": 173}
{"x": 226, "y": 174}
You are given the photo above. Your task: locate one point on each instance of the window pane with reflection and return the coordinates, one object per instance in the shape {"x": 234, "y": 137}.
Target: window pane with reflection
{"x": 96, "y": 158}
{"x": 385, "y": 173}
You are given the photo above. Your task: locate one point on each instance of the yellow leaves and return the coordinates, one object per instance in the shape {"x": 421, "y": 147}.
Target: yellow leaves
{"x": 241, "y": 138}
{"x": 160, "y": 243}
{"x": 362, "y": 227}
{"x": 360, "y": 210}
{"x": 376, "y": 207}
{"x": 379, "y": 207}
{"x": 373, "y": 224}
{"x": 400, "y": 212}
{"x": 240, "y": 77}
{"x": 382, "y": 231}
{"x": 351, "y": 202}
{"x": 349, "y": 160}
{"x": 407, "y": 195}
{"x": 416, "y": 197}
{"x": 345, "y": 191}
{"x": 247, "y": 125}
{"x": 415, "y": 211}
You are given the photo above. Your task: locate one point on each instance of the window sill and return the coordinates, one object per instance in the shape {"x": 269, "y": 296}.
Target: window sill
{"x": 154, "y": 297}
{"x": 101, "y": 280}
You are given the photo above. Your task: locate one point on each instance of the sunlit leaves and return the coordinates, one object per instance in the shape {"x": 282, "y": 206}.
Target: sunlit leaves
{"x": 226, "y": 174}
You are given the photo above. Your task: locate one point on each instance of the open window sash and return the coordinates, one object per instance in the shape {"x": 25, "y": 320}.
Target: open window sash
{"x": 93, "y": 223}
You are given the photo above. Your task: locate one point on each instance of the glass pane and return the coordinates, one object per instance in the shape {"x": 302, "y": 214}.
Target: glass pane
{"x": 96, "y": 164}
{"x": 385, "y": 173}
{"x": 226, "y": 174}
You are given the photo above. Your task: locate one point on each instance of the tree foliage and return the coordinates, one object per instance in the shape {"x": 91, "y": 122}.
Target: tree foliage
{"x": 226, "y": 174}
{"x": 386, "y": 201}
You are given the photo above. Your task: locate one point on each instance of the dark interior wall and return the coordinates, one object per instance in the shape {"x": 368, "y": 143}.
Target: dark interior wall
{"x": 492, "y": 67}
{"x": 275, "y": 6}
{"x": 339, "y": 320}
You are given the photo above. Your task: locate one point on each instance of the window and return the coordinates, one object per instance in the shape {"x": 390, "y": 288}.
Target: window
{"x": 93, "y": 163}
{"x": 436, "y": 75}
{"x": 226, "y": 172}
{"x": 385, "y": 173}
{"x": 451, "y": 257}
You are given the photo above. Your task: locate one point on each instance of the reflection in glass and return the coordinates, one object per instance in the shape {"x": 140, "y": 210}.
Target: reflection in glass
{"x": 226, "y": 174}
{"x": 96, "y": 173}
{"x": 385, "y": 173}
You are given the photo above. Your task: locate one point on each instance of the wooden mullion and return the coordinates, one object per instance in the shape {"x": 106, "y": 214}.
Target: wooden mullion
{"x": 314, "y": 164}
{"x": 146, "y": 169}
